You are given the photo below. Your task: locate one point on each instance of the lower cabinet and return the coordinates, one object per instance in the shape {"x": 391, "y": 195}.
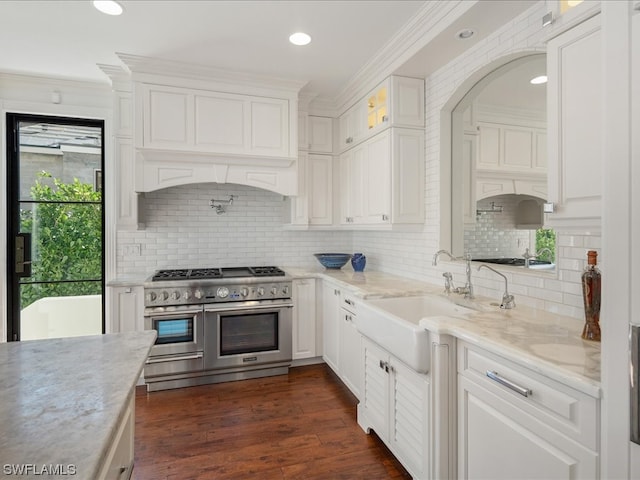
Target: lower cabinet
{"x": 118, "y": 463}
{"x": 304, "y": 318}
{"x": 515, "y": 424}
{"x": 126, "y": 312}
{"x": 341, "y": 339}
{"x": 395, "y": 405}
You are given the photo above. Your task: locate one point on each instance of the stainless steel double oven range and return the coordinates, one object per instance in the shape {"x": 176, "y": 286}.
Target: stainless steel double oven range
{"x": 217, "y": 325}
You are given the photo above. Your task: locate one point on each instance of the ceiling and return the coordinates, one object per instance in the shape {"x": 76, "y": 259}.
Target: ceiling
{"x": 67, "y": 39}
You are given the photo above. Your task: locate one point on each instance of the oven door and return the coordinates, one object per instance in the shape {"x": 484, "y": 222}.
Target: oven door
{"x": 249, "y": 335}
{"x": 179, "y": 329}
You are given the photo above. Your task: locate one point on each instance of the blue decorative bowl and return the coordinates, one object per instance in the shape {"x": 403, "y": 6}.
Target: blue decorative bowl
{"x": 333, "y": 260}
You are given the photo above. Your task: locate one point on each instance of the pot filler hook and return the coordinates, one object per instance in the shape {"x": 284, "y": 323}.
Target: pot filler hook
{"x": 221, "y": 205}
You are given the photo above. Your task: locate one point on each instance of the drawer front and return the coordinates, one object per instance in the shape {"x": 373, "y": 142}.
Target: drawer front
{"x": 568, "y": 411}
{"x": 349, "y": 303}
{"x": 173, "y": 365}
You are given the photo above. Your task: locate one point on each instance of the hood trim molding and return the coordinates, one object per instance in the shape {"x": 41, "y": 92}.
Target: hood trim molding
{"x": 157, "y": 169}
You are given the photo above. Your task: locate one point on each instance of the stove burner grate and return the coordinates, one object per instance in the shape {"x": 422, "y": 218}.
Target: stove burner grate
{"x": 266, "y": 272}
{"x": 211, "y": 273}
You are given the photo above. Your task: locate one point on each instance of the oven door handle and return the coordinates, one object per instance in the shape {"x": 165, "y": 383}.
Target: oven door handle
{"x": 173, "y": 359}
{"x": 229, "y": 308}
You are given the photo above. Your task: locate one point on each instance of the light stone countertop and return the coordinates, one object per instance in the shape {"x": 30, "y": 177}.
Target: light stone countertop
{"x": 61, "y": 400}
{"x": 547, "y": 343}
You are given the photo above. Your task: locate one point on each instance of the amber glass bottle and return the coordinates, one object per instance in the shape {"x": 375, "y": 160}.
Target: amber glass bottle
{"x": 591, "y": 287}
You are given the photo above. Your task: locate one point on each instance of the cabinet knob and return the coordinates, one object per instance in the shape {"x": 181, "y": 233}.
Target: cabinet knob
{"x": 385, "y": 218}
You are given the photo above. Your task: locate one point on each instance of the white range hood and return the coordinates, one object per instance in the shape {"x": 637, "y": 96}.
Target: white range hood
{"x": 194, "y": 124}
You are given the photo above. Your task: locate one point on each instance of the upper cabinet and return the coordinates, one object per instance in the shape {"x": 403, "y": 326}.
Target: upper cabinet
{"x": 196, "y": 124}
{"x": 320, "y": 134}
{"x": 204, "y": 121}
{"x": 397, "y": 101}
{"x": 574, "y": 126}
{"x": 382, "y": 180}
{"x": 512, "y": 148}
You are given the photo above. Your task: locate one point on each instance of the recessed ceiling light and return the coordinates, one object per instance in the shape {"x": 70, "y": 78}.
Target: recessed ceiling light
{"x": 300, "y": 38}
{"x": 465, "y": 33}
{"x": 539, "y": 80}
{"x": 110, "y": 7}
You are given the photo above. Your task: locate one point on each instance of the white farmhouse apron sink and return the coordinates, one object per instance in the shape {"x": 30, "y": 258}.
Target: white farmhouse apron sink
{"x": 394, "y": 324}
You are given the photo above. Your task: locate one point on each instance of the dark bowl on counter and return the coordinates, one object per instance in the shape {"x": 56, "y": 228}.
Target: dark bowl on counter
{"x": 333, "y": 261}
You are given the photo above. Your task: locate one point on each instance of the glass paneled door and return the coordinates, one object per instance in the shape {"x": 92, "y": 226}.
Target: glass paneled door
{"x": 55, "y": 227}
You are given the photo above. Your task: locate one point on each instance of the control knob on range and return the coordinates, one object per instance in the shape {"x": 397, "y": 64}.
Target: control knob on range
{"x": 274, "y": 290}
{"x": 244, "y": 292}
{"x": 152, "y": 296}
{"x": 175, "y": 295}
{"x": 223, "y": 292}
{"x": 285, "y": 290}
{"x": 260, "y": 291}
{"x": 187, "y": 295}
{"x": 164, "y": 296}
{"x": 198, "y": 294}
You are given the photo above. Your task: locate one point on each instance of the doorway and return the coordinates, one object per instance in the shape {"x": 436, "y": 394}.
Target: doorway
{"x": 55, "y": 227}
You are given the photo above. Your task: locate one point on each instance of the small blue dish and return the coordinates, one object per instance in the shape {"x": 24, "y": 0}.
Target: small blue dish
{"x": 358, "y": 262}
{"x": 333, "y": 260}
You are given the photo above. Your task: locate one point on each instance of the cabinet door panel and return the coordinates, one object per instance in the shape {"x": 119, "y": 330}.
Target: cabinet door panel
{"x": 269, "y": 123}
{"x": 350, "y": 353}
{"x": 574, "y": 68}
{"x": 518, "y": 148}
{"x": 376, "y": 388}
{"x": 377, "y": 189}
{"x": 488, "y": 147}
{"x": 304, "y": 324}
{"x": 320, "y": 179}
{"x": 330, "y": 307}
{"x": 167, "y": 120}
{"x": 410, "y": 427}
{"x": 320, "y": 134}
{"x": 494, "y": 444}
{"x": 407, "y": 177}
{"x": 220, "y": 123}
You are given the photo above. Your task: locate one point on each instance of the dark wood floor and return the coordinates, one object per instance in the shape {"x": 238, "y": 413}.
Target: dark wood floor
{"x": 296, "y": 426}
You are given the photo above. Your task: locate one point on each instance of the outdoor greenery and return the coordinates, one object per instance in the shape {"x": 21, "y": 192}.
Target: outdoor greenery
{"x": 66, "y": 239}
{"x": 546, "y": 238}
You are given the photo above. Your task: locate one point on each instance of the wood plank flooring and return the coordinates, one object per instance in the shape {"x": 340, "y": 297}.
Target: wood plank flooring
{"x": 296, "y": 426}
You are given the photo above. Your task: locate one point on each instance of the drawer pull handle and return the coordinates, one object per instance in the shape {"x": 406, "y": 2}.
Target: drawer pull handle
{"x": 173, "y": 359}
{"x": 349, "y": 302}
{"x": 525, "y": 392}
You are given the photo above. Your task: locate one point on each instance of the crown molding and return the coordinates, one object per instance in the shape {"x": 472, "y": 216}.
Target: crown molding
{"x": 432, "y": 19}
{"x": 140, "y": 66}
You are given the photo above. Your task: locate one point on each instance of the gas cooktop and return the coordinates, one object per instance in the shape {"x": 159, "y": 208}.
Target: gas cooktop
{"x": 213, "y": 273}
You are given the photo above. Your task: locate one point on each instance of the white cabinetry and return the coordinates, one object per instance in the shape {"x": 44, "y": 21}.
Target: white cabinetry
{"x": 512, "y": 148}
{"x": 320, "y": 134}
{"x": 551, "y": 433}
{"x": 352, "y": 126}
{"x": 395, "y": 405}
{"x": 341, "y": 340}
{"x": 313, "y": 206}
{"x": 304, "y": 318}
{"x": 330, "y": 317}
{"x": 187, "y": 119}
{"x": 118, "y": 463}
{"x": 574, "y": 68}
{"x": 382, "y": 180}
{"x": 349, "y": 346}
{"x": 397, "y": 101}
{"x": 128, "y": 203}
{"x": 127, "y": 309}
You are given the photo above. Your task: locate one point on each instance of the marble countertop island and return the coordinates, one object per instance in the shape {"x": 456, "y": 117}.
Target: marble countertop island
{"x": 62, "y": 399}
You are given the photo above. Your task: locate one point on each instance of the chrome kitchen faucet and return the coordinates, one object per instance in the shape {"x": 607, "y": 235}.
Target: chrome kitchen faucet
{"x": 467, "y": 290}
